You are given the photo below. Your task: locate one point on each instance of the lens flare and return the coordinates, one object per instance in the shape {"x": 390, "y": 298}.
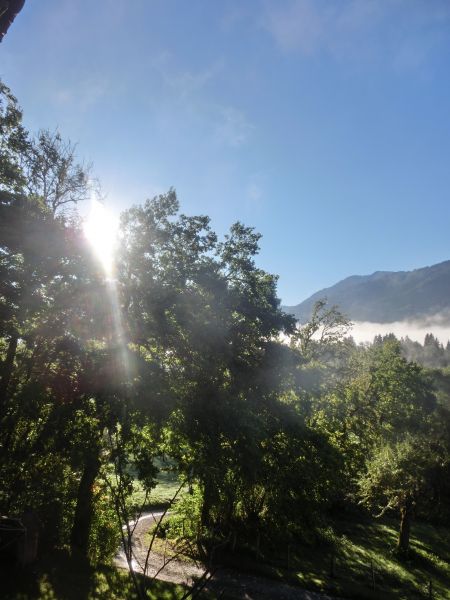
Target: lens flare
{"x": 100, "y": 228}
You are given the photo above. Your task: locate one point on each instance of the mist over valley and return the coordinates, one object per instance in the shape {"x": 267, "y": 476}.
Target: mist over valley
{"x": 406, "y": 303}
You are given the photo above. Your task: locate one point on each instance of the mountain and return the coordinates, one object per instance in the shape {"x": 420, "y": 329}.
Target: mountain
{"x": 385, "y": 296}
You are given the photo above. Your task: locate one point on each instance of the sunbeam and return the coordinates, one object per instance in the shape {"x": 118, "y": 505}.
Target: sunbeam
{"x": 100, "y": 229}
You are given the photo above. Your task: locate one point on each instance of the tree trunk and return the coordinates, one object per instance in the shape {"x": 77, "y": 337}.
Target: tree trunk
{"x": 206, "y": 509}
{"x": 81, "y": 527}
{"x": 405, "y": 526}
{"x": 7, "y": 368}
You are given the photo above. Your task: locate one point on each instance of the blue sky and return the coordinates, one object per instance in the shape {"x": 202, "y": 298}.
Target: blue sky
{"x": 324, "y": 124}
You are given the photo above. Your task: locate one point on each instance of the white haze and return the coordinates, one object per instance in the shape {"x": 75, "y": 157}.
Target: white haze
{"x": 438, "y": 325}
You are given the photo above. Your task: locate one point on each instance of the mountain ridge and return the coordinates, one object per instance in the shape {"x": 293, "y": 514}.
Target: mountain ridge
{"x": 386, "y": 296}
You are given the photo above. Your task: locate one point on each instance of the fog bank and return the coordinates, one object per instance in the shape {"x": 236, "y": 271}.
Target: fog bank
{"x": 438, "y": 325}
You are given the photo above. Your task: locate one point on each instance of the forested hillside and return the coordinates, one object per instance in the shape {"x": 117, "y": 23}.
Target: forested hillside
{"x": 181, "y": 355}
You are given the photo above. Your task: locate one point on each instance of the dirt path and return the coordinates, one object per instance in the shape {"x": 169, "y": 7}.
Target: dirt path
{"x": 176, "y": 571}
{"x": 240, "y": 586}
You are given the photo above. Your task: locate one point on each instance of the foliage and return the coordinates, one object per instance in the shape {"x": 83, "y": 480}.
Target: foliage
{"x": 185, "y": 521}
{"x": 396, "y": 474}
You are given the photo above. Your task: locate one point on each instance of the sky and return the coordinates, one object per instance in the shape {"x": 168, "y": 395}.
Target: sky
{"x": 324, "y": 124}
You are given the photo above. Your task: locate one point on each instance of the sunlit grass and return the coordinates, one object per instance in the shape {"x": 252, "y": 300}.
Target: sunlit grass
{"x": 366, "y": 566}
{"x": 167, "y": 485}
{"x": 359, "y": 562}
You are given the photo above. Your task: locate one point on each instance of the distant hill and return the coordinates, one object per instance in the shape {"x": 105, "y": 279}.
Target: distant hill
{"x": 385, "y": 296}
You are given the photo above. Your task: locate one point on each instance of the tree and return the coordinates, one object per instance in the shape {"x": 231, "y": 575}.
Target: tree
{"x": 53, "y": 174}
{"x": 14, "y": 142}
{"x": 381, "y": 397}
{"x": 397, "y": 478}
{"x": 211, "y": 319}
{"x": 326, "y": 328}
{"x": 38, "y": 177}
{"x": 48, "y": 282}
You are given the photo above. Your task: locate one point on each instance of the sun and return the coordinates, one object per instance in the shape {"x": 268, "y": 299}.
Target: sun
{"x": 100, "y": 228}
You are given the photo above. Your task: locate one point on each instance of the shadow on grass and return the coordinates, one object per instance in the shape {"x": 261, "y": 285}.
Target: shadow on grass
{"x": 359, "y": 562}
{"x": 62, "y": 576}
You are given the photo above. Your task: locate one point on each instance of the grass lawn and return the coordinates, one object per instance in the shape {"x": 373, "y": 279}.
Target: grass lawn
{"x": 364, "y": 564}
{"x": 367, "y": 567}
{"x": 358, "y": 563}
{"x": 166, "y": 488}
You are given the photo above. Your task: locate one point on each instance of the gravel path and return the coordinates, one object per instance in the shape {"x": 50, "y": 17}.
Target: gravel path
{"x": 240, "y": 586}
